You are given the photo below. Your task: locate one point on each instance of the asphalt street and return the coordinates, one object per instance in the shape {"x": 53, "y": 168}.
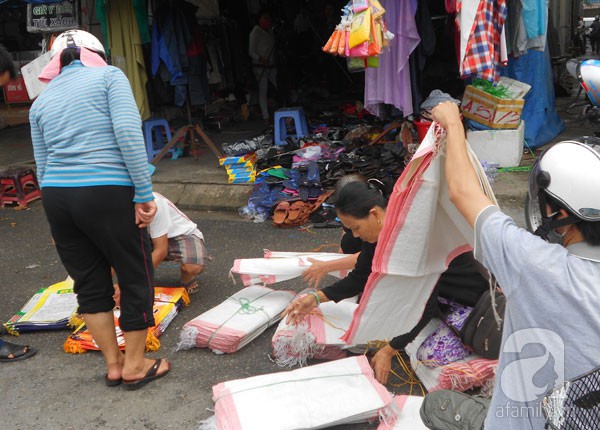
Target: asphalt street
{"x": 56, "y": 390}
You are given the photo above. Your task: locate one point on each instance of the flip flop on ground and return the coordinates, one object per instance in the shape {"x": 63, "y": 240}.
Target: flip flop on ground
{"x": 192, "y": 286}
{"x": 13, "y": 352}
{"x": 150, "y": 376}
{"x": 112, "y": 382}
{"x": 294, "y": 211}
{"x": 281, "y": 212}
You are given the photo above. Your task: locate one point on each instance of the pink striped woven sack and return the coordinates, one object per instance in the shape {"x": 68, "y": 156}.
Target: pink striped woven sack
{"x": 422, "y": 233}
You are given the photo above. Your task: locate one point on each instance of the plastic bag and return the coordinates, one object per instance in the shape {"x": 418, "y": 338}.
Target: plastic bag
{"x": 360, "y": 29}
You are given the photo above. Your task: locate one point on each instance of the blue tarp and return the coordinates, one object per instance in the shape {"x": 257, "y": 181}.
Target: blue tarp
{"x": 542, "y": 123}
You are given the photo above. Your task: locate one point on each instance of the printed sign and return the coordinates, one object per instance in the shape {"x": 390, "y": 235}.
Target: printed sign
{"x": 15, "y": 91}
{"x": 55, "y": 17}
{"x": 30, "y": 73}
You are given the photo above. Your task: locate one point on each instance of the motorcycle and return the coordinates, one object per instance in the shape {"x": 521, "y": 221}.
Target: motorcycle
{"x": 587, "y": 73}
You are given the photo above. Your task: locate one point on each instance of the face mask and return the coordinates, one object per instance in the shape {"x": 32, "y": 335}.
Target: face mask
{"x": 265, "y": 23}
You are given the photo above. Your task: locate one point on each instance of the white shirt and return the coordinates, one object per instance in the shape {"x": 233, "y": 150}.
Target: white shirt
{"x": 261, "y": 45}
{"x": 171, "y": 221}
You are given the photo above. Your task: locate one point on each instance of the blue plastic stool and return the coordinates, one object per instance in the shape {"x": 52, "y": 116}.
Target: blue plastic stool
{"x": 297, "y": 114}
{"x": 153, "y": 136}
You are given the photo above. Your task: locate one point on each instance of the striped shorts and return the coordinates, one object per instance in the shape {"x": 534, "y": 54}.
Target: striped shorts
{"x": 187, "y": 249}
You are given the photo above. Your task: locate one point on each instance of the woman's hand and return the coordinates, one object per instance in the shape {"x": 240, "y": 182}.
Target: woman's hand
{"x": 298, "y": 309}
{"x": 382, "y": 363}
{"x": 144, "y": 213}
{"x": 316, "y": 272}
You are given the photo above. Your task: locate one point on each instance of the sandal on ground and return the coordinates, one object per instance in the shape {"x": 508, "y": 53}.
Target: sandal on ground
{"x": 112, "y": 382}
{"x": 151, "y": 375}
{"x": 281, "y": 212}
{"x": 12, "y": 352}
{"x": 192, "y": 286}
{"x": 294, "y": 210}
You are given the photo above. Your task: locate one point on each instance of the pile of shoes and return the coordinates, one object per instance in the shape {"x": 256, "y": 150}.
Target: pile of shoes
{"x": 246, "y": 146}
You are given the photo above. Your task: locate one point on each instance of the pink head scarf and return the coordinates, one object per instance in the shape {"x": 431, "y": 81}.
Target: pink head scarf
{"x": 87, "y": 57}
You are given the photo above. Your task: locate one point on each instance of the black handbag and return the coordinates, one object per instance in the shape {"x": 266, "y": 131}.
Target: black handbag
{"x": 481, "y": 331}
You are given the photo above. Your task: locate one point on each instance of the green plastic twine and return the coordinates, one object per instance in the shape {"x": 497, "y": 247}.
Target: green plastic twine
{"x": 245, "y": 308}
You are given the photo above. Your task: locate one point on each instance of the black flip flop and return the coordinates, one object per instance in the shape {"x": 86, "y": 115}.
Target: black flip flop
{"x": 151, "y": 375}
{"x": 8, "y": 348}
{"x": 112, "y": 382}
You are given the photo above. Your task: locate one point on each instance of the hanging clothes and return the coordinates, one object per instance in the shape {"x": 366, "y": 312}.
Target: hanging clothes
{"x": 170, "y": 40}
{"x": 516, "y": 34}
{"x": 124, "y": 41}
{"x": 481, "y": 52}
{"x": 390, "y": 82}
{"x": 535, "y": 17}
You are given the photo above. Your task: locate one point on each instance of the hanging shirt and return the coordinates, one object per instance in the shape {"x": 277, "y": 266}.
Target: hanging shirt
{"x": 535, "y": 15}
{"x": 261, "y": 45}
{"x": 482, "y": 58}
{"x": 390, "y": 82}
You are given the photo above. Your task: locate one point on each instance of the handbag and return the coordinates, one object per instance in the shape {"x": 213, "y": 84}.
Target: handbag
{"x": 482, "y": 332}
{"x": 451, "y": 410}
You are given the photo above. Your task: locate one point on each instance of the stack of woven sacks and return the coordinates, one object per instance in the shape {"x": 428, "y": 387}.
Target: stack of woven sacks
{"x": 167, "y": 303}
{"x": 50, "y": 308}
{"x": 316, "y": 337}
{"x": 335, "y": 393}
{"x": 237, "y": 321}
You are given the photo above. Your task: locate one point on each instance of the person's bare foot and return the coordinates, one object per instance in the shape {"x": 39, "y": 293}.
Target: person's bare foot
{"x": 115, "y": 370}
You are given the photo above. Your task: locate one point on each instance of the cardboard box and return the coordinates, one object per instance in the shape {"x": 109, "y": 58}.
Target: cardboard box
{"x": 504, "y": 147}
{"x": 493, "y": 111}
{"x": 244, "y": 160}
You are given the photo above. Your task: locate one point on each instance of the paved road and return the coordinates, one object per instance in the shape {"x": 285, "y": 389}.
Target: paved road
{"x": 55, "y": 390}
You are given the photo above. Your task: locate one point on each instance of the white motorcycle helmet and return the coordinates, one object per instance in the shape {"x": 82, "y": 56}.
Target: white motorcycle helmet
{"x": 568, "y": 172}
{"x": 77, "y": 39}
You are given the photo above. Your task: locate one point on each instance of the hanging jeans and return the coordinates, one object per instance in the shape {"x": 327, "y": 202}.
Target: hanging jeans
{"x": 264, "y": 75}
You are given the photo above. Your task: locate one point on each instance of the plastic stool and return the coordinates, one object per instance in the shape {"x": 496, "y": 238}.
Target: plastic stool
{"x": 18, "y": 186}
{"x": 153, "y": 135}
{"x": 297, "y": 114}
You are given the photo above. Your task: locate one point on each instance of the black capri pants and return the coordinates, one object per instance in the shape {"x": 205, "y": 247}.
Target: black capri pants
{"x": 94, "y": 229}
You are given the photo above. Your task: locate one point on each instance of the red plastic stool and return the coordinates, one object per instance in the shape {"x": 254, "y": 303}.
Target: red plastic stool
{"x": 18, "y": 186}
